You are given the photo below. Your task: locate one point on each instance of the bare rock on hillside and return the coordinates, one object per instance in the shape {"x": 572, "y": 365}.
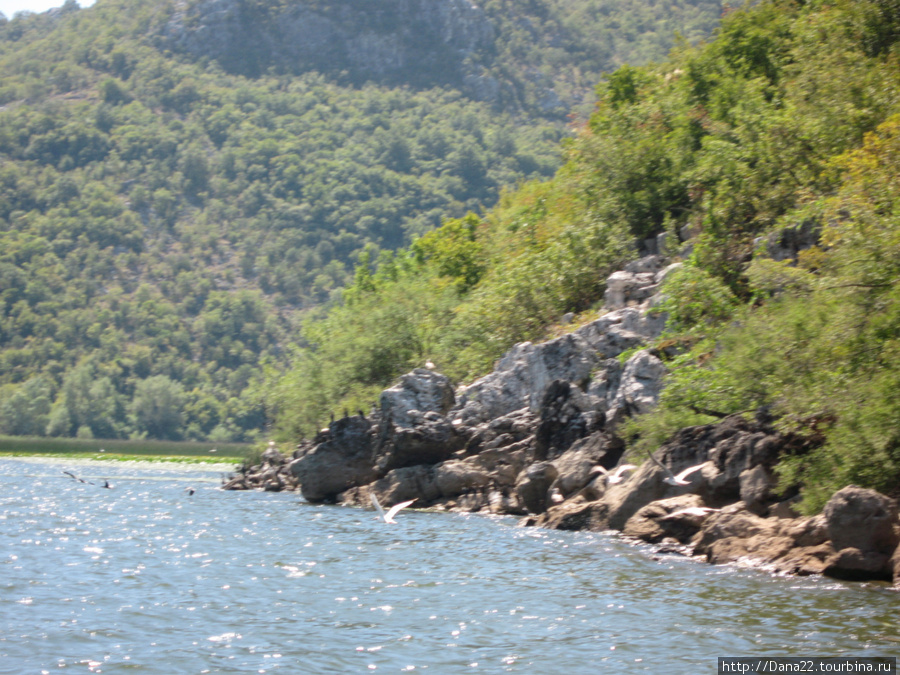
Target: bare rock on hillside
{"x": 418, "y": 392}
{"x": 640, "y": 385}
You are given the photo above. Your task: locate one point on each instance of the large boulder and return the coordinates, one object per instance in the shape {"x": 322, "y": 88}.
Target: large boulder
{"x": 790, "y": 546}
{"x": 514, "y": 428}
{"x": 856, "y": 565}
{"x": 575, "y": 465}
{"x": 418, "y": 392}
{"x": 521, "y": 377}
{"x": 677, "y": 517}
{"x": 624, "y": 288}
{"x": 339, "y": 463}
{"x": 645, "y": 485}
{"x": 862, "y": 519}
{"x": 639, "y": 387}
{"x": 734, "y": 522}
{"x": 430, "y": 439}
{"x": 576, "y": 514}
{"x": 534, "y": 484}
{"x": 457, "y": 477}
{"x": 756, "y": 486}
{"x": 400, "y": 485}
{"x": 863, "y": 528}
{"x": 566, "y": 415}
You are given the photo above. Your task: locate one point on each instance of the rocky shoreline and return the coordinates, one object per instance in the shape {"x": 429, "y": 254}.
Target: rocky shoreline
{"x": 527, "y": 439}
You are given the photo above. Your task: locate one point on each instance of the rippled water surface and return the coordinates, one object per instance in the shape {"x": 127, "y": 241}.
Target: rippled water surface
{"x": 145, "y": 578}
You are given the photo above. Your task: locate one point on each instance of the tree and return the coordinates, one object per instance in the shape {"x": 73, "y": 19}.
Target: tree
{"x": 25, "y": 409}
{"x": 156, "y": 409}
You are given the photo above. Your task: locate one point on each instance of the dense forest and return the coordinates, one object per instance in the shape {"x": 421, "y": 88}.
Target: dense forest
{"x": 171, "y": 211}
{"x": 788, "y": 120}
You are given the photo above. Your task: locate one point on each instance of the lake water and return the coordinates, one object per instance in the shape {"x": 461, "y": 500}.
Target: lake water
{"x": 145, "y": 578}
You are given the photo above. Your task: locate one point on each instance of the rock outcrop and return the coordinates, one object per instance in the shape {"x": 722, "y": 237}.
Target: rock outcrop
{"x": 863, "y": 529}
{"x": 418, "y": 42}
{"x": 536, "y": 437}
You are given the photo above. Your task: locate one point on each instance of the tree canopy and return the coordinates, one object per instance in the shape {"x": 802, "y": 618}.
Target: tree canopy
{"x": 166, "y": 218}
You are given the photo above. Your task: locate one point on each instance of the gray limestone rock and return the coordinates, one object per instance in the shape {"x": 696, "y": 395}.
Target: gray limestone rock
{"x": 862, "y": 519}
{"x": 419, "y": 392}
{"x": 639, "y": 387}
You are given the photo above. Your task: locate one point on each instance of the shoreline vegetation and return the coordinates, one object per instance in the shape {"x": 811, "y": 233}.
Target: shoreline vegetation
{"x": 125, "y": 450}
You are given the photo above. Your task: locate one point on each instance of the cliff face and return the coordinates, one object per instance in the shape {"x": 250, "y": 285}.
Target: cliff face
{"x": 418, "y": 42}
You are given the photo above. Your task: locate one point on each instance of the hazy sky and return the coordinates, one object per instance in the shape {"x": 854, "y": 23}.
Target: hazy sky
{"x": 10, "y": 7}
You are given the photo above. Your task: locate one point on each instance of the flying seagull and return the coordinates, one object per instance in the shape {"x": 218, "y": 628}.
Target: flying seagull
{"x": 389, "y": 516}
{"x": 615, "y": 476}
{"x": 74, "y": 477}
{"x": 672, "y": 479}
{"x": 691, "y": 511}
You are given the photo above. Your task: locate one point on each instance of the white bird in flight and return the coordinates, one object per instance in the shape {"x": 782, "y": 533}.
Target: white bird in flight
{"x": 680, "y": 479}
{"x": 389, "y": 516}
{"x": 691, "y": 511}
{"x": 615, "y": 476}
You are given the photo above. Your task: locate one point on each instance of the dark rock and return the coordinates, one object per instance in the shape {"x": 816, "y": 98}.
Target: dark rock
{"x": 855, "y": 565}
{"x": 400, "y": 485}
{"x": 337, "y": 464}
{"x": 735, "y": 522}
{"x": 566, "y": 416}
{"x": 575, "y": 464}
{"x": 654, "y": 522}
{"x": 430, "y": 442}
{"x": 756, "y": 486}
{"x": 457, "y": 477}
{"x": 576, "y": 514}
{"x": 862, "y": 519}
{"x": 533, "y": 485}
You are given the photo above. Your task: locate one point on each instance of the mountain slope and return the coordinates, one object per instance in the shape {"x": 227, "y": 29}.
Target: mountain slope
{"x": 165, "y": 222}
{"x": 780, "y": 134}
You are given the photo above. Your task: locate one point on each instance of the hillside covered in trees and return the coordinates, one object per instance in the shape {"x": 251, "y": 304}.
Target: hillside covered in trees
{"x": 788, "y": 120}
{"x": 180, "y": 182}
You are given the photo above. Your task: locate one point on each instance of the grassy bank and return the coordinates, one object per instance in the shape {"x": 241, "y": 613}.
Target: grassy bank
{"x": 124, "y": 450}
